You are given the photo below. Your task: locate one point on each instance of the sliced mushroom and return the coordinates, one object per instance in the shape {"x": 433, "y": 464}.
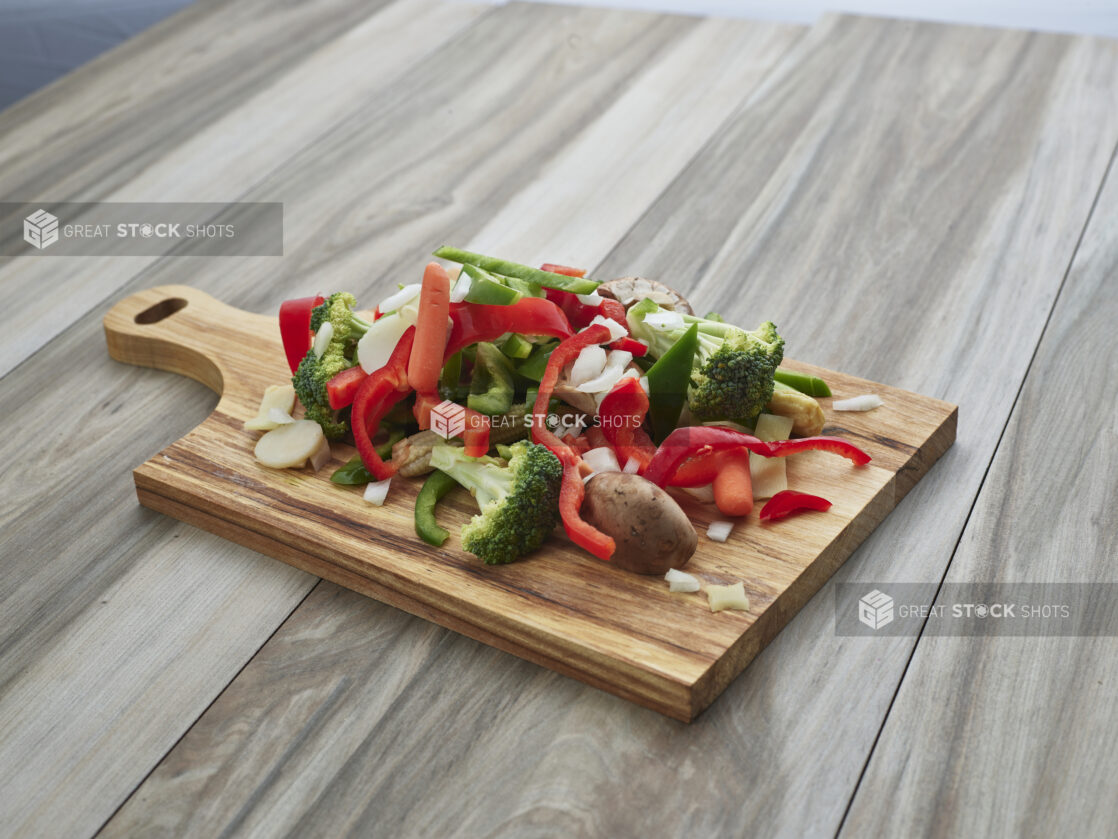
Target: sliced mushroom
{"x": 628, "y": 290}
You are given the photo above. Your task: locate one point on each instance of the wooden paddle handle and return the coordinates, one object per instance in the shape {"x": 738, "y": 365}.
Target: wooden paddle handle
{"x": 183, "y": 330}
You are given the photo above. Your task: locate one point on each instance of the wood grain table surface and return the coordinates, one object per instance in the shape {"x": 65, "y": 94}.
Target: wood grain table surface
{"x": 927, "y": 205}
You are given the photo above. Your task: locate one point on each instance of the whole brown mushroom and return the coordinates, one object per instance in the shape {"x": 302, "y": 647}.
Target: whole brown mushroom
{"x": 629, "y": 290}
{"x": 651, "y": 532}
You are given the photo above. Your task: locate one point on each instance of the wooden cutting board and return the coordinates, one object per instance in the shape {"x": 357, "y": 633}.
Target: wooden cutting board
{"x": 561, "y": 608}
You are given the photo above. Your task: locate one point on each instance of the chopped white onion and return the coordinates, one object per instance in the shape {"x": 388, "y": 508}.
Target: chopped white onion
{"x": 664, "y": 320}
{"x": 322, "y": 338}
{"x": 681, "y": 581}
{"x": 630, "y": 372}
{"x": 409, "y": 312}
{"x": 616, "y": 330}
{"x": 461, "y": 288}
{"x": 376, "y": 492}
{"x": 632, "y": 466}
{"x": 769, "y": 475}
{"x": 645, "y": 384}
{"x": 394, "y": 301}
{"x": 589, "y": 365}
{"x": 611, "y": 374}
{"x": 704, "y": 493}
{"x": 279, "y": 417}
{"x": 321, "y": 455}
{"x": 594, "y": 299}
{"x": 377, "y": 344}
{"x": 602, "y": 459}
{"x": 858, "y": 403}
{"x": 719, "y": 531}
{"x": 586, "y": 480}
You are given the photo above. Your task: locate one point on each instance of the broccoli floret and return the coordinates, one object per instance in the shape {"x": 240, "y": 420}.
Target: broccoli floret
{"x": 338, "y": 309}
{"x": 519, "y": 502}
{"x": 732, "y": 375}
{"x": 314, "y": 372}
{"x": 310, "y": 386}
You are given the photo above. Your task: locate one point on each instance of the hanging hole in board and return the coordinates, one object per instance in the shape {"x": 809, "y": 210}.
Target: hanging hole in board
{"x": 162, "y": 309}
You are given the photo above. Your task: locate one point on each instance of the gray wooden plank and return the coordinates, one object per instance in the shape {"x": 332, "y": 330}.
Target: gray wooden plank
{"x": 874, "y": 210}
{"x": 1001, "y": 736}
{"x": 131, "y": 608}
{"x": 194, "y": 134}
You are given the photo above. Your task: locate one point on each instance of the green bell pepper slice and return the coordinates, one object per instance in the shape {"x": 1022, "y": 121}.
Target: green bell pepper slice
{"x": 437, "y": 485}
{"x": 668, "y": 380}
{"x": 492, "y": 389}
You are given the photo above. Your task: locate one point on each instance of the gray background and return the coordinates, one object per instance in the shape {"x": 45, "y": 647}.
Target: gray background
{"x": 41, "y": 40}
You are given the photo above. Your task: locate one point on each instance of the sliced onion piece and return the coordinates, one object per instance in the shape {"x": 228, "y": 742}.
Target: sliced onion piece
{"x": 616, "y": 330}
{"x": 289, "y": 445}
{"x": 728, "y": 597}
{"x": 376, "y": 492}
{"x": 705, "y": 493}
{"x": 593, "y": 299}
{"x": 377, "y": 344}
{"x": 611, "y": 374}
{"x": 322, "y": 338}
{"x": 394, "y": 301}
{"x": 867, "y": 402}
{"x": 589, "y": 365}
{"x": 461, "y": 288}
{"x": 602, "y": 459}
{"x": 719, "y": 531}
{"x": 665, "y": 320}
{"x": 681, "y": 581}
{"x": 631, "y": 466}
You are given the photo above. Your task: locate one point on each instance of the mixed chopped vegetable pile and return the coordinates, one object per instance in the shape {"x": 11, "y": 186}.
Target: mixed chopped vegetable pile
{"x": 551, "y": 398}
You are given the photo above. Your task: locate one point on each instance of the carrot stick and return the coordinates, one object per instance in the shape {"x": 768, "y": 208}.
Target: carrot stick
{"x": 733, "y": 485}
{"x": 426, "y": 362}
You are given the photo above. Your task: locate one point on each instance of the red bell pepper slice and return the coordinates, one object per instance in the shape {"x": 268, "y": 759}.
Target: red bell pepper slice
{"x": 580, "y": 314}
{"x": 687, "y": 442}
{"x": 595, "y": 438}
{"x": 295, "y": 328}
{"x": 572, "y": 490}
{"x": 341, "y": 389}
{"x": 621, "y": 416}
{"x": 631, "y": 345}
{"x": 375, "y": 396}
{"x": 476, "y": 322}
{"x": 565, "y": 270}
{"x": 700, "y": 469}
{"x": 835, "y": 445}
{"x": 580, "y": 444}
{"x": 788, "y": 501}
